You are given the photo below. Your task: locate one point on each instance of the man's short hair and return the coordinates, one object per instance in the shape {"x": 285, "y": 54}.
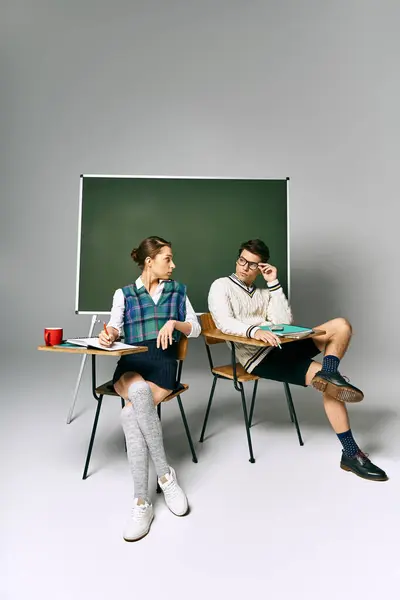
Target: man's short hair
{"x": 256, "y": 247}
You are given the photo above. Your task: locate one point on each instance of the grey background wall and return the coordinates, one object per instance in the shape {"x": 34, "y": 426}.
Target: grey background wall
{"x": 305, "y": 89}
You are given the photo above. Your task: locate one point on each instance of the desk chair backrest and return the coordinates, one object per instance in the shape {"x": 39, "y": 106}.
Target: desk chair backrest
{"x": 207, "y": 324}
{"x": 181, "y": 355}
{"x": 182, "y": 347}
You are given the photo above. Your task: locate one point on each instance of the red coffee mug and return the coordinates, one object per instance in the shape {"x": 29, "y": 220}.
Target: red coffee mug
{"x": 53, "y": 336}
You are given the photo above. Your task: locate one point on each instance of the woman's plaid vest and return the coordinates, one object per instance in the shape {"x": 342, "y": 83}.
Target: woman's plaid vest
{"x": 143, "y": 318}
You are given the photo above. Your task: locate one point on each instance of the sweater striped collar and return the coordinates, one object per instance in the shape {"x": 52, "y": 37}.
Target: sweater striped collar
{"x": 249, "y": 290}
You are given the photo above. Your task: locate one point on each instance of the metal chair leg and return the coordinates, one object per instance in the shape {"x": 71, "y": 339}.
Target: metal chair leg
{"x": 293, "y": 412}
{"x": 253, "y": 400}
{"x": 158, "y": 489}
{"x": 208, "y": 408}
{"x": 288, "y": 397}
{"x": 96, "y": 418}
{"x": 123, "y": 406}
{"x": 189, "y": 437}
{"x": 246, "y": 422}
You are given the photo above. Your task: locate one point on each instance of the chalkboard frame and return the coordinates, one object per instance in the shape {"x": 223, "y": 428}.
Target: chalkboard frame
{"x": 110, "y": 176}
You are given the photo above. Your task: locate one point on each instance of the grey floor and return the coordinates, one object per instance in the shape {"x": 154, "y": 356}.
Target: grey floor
{"x": 292, "y": 525}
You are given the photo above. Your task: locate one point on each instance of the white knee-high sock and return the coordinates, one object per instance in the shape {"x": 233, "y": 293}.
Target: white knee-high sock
{"x": 137, "y": 451}
{"x": 146, "y": 413}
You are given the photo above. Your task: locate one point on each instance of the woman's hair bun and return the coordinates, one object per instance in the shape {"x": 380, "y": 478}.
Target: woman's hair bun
{"x": 134, "y": 254}
{"x": 148, "y": 248}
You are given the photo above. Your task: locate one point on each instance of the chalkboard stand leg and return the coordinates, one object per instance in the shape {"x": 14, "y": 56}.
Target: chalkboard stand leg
{"x": 71, "y": 410}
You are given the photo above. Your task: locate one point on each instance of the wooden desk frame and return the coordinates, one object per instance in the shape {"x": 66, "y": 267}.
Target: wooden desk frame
{"x": 93, "y": 352}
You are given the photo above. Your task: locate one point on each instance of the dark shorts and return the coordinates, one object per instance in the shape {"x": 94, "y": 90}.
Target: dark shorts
{"x": 156, "y": 365}
{"x": 290, "y": 364}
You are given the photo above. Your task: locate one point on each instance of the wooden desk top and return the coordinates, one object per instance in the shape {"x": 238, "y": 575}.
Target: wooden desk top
{"x": 83, "y": 350}
{"x": 218, "y": 335}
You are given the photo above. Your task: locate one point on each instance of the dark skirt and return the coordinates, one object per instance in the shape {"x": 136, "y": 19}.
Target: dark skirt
{"x": 156, "y": 365}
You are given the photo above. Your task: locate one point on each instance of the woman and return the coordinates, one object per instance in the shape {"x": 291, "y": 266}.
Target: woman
{"x": 154, "y": 312}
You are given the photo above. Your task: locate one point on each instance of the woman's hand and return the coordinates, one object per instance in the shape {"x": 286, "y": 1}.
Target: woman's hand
{"x": 109, "y": 339}
{"x": 165, "y": 335}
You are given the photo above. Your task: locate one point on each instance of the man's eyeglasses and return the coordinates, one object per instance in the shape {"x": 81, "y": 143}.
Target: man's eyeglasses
{"x": 243, "y": 262}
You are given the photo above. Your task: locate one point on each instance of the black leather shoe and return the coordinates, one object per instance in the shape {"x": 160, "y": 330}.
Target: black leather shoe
{"x": 363, "y": 467}
{"x": 336, "y": 386}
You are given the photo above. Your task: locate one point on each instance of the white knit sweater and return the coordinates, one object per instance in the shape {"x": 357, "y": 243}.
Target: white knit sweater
{"x": 239, "y": 310}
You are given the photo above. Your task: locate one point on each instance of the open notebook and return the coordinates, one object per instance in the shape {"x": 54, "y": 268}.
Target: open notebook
{"x": 289, "y": 331}
{"x": 93, "y": 342}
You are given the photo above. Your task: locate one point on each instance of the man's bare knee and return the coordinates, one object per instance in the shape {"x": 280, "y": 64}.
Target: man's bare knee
{"x": 343, "y": 325}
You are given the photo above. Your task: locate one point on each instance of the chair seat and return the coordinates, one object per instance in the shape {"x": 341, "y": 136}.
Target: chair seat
{"x": 227, "y": 372}
{"x": 107, "y": 389}
{"x": 179, "y": 390}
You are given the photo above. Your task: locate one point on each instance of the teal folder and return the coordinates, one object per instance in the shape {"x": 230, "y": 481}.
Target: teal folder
{"x": 288, "y": 330}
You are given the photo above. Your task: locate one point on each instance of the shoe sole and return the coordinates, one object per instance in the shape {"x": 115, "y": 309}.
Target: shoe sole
{"x": 361, "y": 476}
{"x": 342, "y": 393}
{"x": 142, "y": 536}
{"x": 182, "y": 515}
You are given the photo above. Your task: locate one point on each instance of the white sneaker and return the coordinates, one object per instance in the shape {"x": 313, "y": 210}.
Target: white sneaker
{"x": 139, "y": 523}
{"x": 175, "y": 497}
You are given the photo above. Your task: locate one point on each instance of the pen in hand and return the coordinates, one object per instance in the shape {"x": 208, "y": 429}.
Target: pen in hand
{"x": 106, "y": 332}
{"x": 277, "y": 342}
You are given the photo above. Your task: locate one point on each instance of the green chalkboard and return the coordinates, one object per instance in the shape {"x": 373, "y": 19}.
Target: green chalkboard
{"x": 205, "y": 219}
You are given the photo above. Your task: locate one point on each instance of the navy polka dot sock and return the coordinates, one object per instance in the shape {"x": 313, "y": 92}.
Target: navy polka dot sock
{"x": 330, "y": 363}
{"x": 350, "y": 447}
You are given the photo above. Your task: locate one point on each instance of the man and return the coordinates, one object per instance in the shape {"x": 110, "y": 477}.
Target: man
{"x": 238, "y": 307}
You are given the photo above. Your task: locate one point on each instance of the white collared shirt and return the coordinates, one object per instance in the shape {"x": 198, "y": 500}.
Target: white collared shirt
{"x": 118, "y": 309}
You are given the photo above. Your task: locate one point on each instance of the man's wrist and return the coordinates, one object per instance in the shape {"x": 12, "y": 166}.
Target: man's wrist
{"x": 251, "y": 331}
{"x": 274, "y": 285}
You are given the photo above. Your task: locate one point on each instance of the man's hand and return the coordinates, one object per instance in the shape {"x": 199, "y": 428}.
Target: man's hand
{"x": 165, "y": 335}
{"x": 269, "y": 272}
{"x": 266, "y": 336}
